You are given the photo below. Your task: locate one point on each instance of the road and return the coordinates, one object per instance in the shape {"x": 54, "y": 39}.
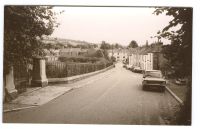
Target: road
{"x": 113, "y": 97}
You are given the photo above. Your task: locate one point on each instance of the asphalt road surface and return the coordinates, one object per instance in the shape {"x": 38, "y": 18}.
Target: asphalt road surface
{"x": 112, "y": 97}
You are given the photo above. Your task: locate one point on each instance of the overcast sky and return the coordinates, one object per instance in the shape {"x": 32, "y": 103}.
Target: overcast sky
{"x": 111, "y": 24}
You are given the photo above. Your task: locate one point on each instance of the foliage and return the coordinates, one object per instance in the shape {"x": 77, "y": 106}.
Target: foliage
{"x": 133, "y": 44}
{"x": 99, "y": 54}
{"x": 24, "y": 26}
{"x": 117, "y": 46}
{"x": 113, "y": 59}
{"x": 53, "y": 46}
{"x": 105, "y": 53}
{"x": 179, "y": 52}
{"x": 105, "y": 45}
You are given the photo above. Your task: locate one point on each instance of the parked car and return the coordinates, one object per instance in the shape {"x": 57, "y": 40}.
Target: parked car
{"x": 137, "y": 69}
{"x": 153, "y": 79}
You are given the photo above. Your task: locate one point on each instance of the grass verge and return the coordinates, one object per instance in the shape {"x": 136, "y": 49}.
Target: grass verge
{"x": 179, "y": 90}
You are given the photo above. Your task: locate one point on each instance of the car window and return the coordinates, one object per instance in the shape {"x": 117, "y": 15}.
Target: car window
{"x": 153, "y": 74}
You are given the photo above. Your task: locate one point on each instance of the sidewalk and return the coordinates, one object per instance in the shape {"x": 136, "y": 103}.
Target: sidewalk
{"x": 34, "y": 97}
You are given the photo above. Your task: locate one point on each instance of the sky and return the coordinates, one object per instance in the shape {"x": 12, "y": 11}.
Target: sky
{"x": 111, "y": 24}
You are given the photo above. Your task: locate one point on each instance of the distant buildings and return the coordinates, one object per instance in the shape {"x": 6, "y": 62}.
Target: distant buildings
{"x": 72, "y": 52}
{"x": 53, "y": 55}
{"x": 148, "y": 57}
{"x": 119, "y": 54}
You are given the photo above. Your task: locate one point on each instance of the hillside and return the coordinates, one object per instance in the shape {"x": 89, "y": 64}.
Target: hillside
{"x": 66, "y": 42}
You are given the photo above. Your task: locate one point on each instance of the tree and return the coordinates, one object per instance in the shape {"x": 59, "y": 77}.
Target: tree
{"x": 113, "y": 59}
{"x": 117, "y": 46}
{"x": 133, "y": 44}
{"x": 105, "y": 53}
{"x": 105, "y": 45}
{"x": 99, "y": 54}
{"x": 24, "y": 27}
{"x": 180, "y": 49}
{"x": 179, "y": 52}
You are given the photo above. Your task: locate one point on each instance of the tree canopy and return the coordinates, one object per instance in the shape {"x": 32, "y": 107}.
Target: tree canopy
{"x": 133, "y": 44}
{"x": 24, "y": 27}
{"x": 179, "y": 52}
{"x": 105, "y": 45}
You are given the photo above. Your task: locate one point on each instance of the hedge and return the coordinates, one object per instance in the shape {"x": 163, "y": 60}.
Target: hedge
{"x": 62, "y": 69}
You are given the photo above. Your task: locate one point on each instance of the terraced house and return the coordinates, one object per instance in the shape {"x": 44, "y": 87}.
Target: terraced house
{"x": 147, "y": 57}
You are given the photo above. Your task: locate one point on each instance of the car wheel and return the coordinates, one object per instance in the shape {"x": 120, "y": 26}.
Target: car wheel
{"x": 163, "y": 89}
{"x": 144, "y": 88}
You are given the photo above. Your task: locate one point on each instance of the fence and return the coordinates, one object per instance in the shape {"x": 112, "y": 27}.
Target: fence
{"x": 60, "y": 69}
{"x": 21, "y": 77}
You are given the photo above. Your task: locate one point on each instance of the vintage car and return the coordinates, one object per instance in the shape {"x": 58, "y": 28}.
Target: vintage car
{"x": 153, "y": 79}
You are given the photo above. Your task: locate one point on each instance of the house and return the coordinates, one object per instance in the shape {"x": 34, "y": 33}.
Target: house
{"x": 119, "y": 54}
{"x": 72, "y": 52}
{"x": 147, "y": 57}
{"x": 52, "y": 54}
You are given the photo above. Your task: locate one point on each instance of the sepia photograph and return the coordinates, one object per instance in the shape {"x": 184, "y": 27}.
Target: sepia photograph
{"x": 97, "y": 64}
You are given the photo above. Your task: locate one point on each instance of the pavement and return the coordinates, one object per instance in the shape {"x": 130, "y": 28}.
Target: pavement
{"x": 36, "y": 96}
{"x": 112, "y": 97}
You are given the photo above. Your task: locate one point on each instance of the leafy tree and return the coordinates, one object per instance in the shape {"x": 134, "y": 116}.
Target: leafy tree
{"x": 117, "y": 46}
{"x": 180, "y": 49}
{"x": 24, "y": 27}
{"x": 99, "y": 54}
{"x": 105, "y": 53}
{"x": 105, "y": 45}
{"x": 133, "y": 44}
{"x": 179, "y": 52}
{"x": 113, "y": 59}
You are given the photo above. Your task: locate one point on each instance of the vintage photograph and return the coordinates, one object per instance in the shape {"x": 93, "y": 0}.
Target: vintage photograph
{"x": 118, "y": 65}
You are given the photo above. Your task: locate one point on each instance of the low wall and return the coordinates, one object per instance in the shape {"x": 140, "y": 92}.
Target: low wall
{"x": 77, "y": 77}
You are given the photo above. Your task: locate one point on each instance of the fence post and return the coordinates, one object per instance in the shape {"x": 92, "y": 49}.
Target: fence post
{"x": 9, "y": 84}
{"x": 39, "y": 78}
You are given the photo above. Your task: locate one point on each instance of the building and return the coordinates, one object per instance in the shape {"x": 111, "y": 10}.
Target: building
{"x": 147, "y": 58}
{"x": 119, "y": 54}
{"x": 52, "y": 54}
{"x": 72, "y": 52}
{"x": 144, "y": 61}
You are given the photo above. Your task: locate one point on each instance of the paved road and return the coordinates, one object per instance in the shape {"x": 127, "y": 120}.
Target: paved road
{"x": 113, "y": 97}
